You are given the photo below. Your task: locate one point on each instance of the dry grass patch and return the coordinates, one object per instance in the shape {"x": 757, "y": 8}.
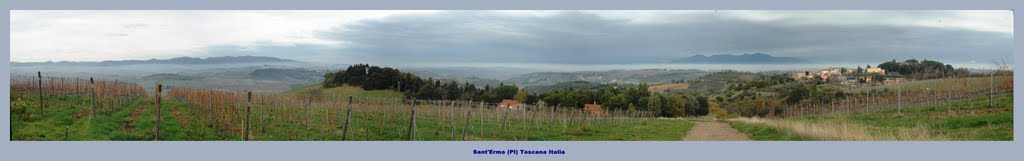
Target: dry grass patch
{"x": 842, "y": 130}
{"x": 661, "y": 88}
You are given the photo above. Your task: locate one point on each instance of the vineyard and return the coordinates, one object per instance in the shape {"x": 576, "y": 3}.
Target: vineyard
{"x": 64, "y": 108}
{"x": 115, "y": 110}
{"x": 934, "y": 92}
{"x": 969, "y": 108}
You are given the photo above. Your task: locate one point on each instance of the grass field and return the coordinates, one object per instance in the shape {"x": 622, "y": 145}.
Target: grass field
{"x": 967, "y": 120}
{"x": 662, "y": 88}
{"x": 765, "y": 133}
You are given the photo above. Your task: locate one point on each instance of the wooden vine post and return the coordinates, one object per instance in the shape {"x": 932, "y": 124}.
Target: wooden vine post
{"x": 209, "y": 110}
{"x": 832, "y": 104}
{"x": 452, "y": 118}
{"x": 991, "y": 89}
{"x": 412, "y": 123}
{"x": 467, "y": 118}
{"x": 248, "y": 109}
{"x": 40, "y": 87}
{"x": 524, "y": 122}
{"x": 76, "y": 92}
{"x": 348, "y": 119}
{"x": 93, "y": 84}
{"x": 482, "y": 118}
{"x": 309, "y": 122}
{"x": 899, "y": 99}
{"x": 949, "y": 96}
{"x": 156, "y": 132}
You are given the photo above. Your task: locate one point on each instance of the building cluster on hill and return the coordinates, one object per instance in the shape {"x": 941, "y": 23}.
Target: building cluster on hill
{"x": 843, "y": 75}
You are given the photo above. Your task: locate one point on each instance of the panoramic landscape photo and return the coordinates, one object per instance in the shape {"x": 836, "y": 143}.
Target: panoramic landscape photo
{"x": 499, "y": 75}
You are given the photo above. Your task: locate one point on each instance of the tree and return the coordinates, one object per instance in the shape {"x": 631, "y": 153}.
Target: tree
{"x": 703, "y": 107}
{"x": 505, "y": 92}
{"x": 676, "y": 106}
{"x": 918, "y": 69}
{"x": 654, "y": 103}
{"x": 469, "y": 91}
{"x": 797, "y": 93}
{"x": 550, "y": 98}
{"x": 452, "y": 90}
{"x": 718, "y": 112}
{"x": 618, "y": 102}
{"x": 839, "y": 95}
{"x": 428, "y": 92}
{"x": 521, "y": 96}
{"x": 642, "y": 102}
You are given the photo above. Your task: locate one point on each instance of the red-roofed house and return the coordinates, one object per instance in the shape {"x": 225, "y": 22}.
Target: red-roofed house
{"x": 511, "y": 104}
{"x": 593, "y": 108}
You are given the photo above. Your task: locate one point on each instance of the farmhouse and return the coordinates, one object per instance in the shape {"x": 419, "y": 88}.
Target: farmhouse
{"x": 800, "y": 75}
{"x": 511, "y": 104}
{"x": 833, "y": 73}
{"x": 876, "y": 71}
{"x": 593, "y": 108}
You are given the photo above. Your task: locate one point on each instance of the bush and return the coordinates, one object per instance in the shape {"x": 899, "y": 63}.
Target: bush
{"x": 717, "y": 112}
{"x": 20, "y": 108}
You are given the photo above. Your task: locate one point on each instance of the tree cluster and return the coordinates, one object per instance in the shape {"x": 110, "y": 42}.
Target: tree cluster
{"x": 926, "y": 69}
{"x": 384, "y": 78}
{"x": 630, "y": 98}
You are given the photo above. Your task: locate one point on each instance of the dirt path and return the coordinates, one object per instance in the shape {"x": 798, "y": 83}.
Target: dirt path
{"x": 178, "y": 115}
{"x": 132, "y": 117}
{"x": 80, "y": 114}
{"x": 714, "y": 131}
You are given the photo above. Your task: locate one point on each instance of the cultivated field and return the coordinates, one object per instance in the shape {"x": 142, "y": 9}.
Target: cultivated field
{"x": 124, "y": 111}
{"x": 662, "y": 88}
{"x": 936, "y": 92}
{"x": 59, "y": 108}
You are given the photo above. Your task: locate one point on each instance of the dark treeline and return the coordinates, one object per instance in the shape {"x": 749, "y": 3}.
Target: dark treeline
{"x": 630, "y": 98}
{"x": 373, "y": 78}
{"x": 385, "y": 78}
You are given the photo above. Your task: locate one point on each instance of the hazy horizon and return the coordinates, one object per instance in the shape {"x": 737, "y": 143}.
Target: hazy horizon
{"x": 556, "y": 67}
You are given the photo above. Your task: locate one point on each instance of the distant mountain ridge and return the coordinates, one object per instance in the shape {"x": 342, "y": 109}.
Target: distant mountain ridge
{"x": 178, "y": 60}
{"x": 756, "y": 58}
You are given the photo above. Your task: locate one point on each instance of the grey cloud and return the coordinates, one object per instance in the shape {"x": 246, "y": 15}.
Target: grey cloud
{"x": 586, "y": 38}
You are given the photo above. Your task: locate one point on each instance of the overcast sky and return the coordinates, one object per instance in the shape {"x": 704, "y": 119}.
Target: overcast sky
{"x": 556, "y": 37}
